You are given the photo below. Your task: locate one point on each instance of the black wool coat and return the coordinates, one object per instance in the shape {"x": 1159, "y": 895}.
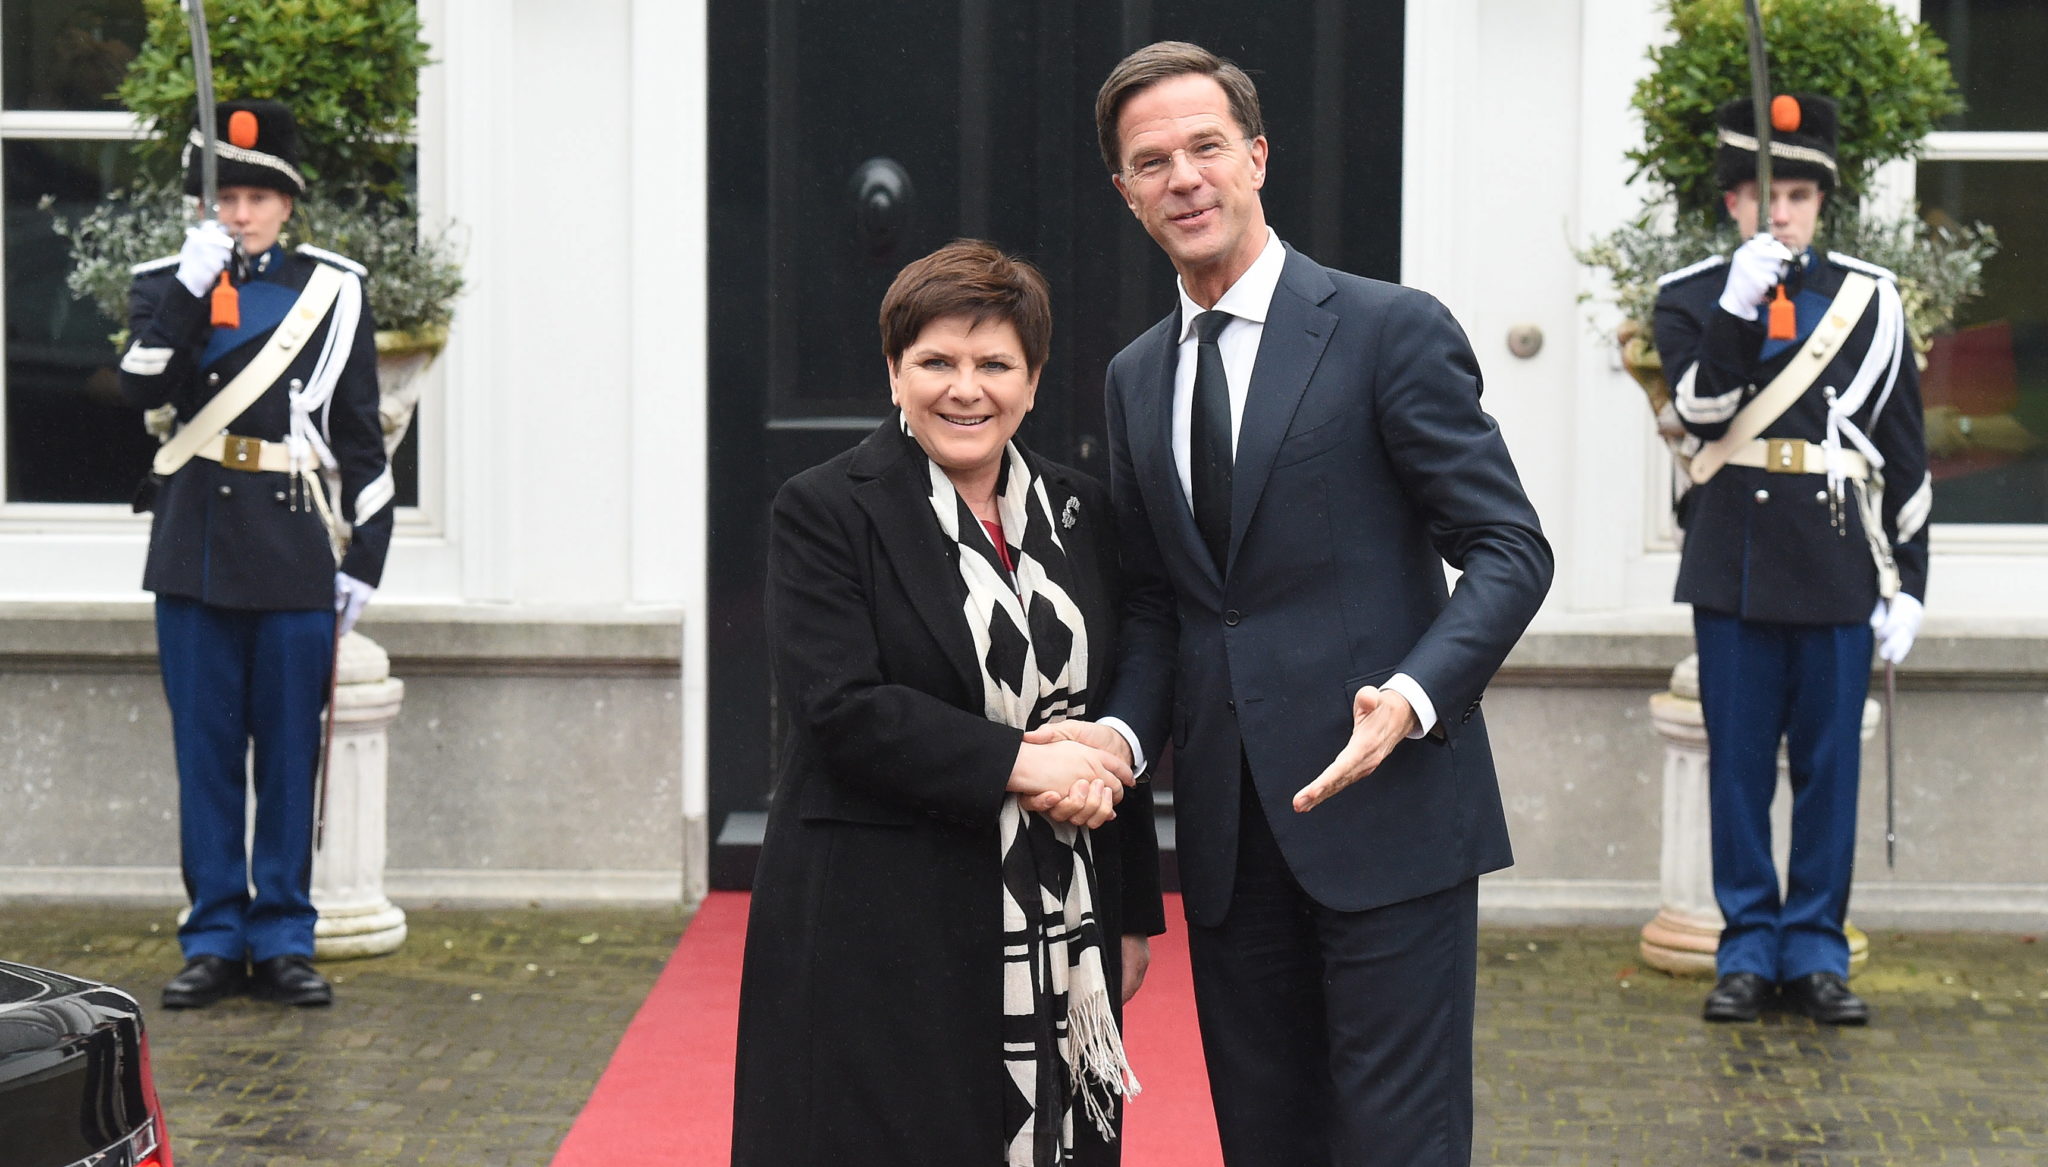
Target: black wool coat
{"x": 871, "y": 1005}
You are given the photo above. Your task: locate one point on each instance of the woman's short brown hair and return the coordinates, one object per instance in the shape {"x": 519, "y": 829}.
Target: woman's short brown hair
{"x": 971, "y": 278}
{"x": 1158, "y": 62}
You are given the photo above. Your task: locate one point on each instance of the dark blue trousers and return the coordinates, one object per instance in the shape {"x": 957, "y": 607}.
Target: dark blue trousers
{"x": 234, "y": 677}
{"x": 1804, "y": 684}
{"x": 1336, "y": 1039}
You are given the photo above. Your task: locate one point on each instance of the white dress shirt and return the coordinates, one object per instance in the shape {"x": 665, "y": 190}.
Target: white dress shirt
{"x": 1248, "y": 301}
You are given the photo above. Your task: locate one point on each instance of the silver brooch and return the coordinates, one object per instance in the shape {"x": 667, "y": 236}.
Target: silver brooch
{"x": 1071, "y": 512}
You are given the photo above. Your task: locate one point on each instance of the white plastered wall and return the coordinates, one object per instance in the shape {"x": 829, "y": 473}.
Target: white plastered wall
{"x": 573, "y": 139}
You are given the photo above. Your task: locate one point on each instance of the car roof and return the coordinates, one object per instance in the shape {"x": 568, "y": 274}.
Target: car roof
{"x": 21, "y": 984}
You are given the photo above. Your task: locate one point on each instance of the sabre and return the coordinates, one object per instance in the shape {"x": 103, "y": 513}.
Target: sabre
{"x": 1891, "y": 836}
{"x": 202, "y": 81}
{"x": 226, "y": 304}
{"x": 1782, "y": 324}
{"x": 1760, "y": 102}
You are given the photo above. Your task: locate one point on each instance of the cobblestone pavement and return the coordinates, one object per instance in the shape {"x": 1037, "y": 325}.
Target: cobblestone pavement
{"x": 480, "y": 1040}
{"x": 1587, "y": 1057}
{"x": 476, "y": 1043}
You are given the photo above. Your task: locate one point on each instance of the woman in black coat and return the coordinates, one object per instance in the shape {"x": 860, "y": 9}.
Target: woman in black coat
{"x": 946, "y": 919}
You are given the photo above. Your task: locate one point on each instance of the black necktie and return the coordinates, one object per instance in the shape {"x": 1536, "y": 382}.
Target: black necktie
{"x": 1209, "y": 446}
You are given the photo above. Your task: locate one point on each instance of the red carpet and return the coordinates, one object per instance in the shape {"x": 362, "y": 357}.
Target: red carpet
{"x": 666, "y": 1097}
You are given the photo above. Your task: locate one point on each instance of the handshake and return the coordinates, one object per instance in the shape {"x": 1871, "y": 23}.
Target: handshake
{"x": 1077, "y": 771}
{"x": 1073, "y": 772}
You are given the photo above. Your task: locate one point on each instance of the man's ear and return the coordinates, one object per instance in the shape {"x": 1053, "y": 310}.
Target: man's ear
{"x": 1124, "y": 192}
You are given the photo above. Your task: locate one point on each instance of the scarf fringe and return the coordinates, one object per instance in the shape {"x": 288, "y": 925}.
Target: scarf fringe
{"x": 1095, "y": 1055}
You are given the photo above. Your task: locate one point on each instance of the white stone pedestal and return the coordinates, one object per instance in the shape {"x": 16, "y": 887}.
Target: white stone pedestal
{"x": 1687, "y": 929}
{"x": 348, "y": 865}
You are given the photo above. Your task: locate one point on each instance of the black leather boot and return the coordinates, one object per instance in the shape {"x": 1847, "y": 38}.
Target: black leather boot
{"x": 1826, "y": 998}
{"x": 290, "y": 980}
{"x": 1737, "y": 997}
{"x": 203, "y": 980}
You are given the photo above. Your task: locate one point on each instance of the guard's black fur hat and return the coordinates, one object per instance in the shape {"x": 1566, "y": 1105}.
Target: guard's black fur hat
{"x": 1803, "y": 130}
{"x": 259, "y": 146}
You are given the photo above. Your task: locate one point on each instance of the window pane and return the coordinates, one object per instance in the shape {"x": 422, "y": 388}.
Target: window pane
{"x": 1986, "y": 386}
{"x": 69, "y": 436}
{"x": 67, "y": 54}
{"x": 1994, "y": 46}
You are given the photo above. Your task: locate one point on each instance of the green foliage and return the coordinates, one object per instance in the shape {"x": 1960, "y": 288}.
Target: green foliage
{"x": 1635, "y": 255}
{"x": 1892, "y": 81}
{"x": 1939, "y": 266}
{"x": 127, "y": 228}
{"x": 349, "y": 72}
{"x": 348, "y": 69}
{"x": 414, "y": 278}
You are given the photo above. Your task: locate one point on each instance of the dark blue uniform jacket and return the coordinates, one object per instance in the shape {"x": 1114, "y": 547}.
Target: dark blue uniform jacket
{"x": 1762, "y": 545}
{"x": 234, "y": 538}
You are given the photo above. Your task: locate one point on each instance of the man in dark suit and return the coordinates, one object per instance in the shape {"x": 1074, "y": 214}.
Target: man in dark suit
{"x": 1296, "y": 453}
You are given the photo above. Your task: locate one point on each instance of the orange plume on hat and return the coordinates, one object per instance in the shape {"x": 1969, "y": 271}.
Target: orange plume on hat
{"x": 242, "y": 129}
{"x": 1785, "y": 113}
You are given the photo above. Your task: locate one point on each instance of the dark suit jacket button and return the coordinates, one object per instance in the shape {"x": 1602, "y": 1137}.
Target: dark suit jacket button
{"x": 226, "y": 490}
{"x": 1230, "y": 705}
{"x": 1231, "y": 617}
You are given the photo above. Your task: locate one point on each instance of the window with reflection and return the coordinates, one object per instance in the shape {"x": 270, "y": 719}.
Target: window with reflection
{"x": 68, "y": 436}
{"x": 1986, "y": 385}
{"x": 67, "y": 54}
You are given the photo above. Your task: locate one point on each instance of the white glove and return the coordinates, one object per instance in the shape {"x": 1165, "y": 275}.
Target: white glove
{"x": 1897, "y": 623}
{"x": 204, "y": 256}
{"x": 1757, "y": 267}
{"x": 350, "y": 596}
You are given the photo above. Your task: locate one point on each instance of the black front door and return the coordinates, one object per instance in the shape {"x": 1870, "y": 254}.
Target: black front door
{"x": 848, "y": 139}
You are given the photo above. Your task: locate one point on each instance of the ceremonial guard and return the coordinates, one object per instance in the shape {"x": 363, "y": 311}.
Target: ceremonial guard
{"x": 1805, "y": 530}
{"x": 276, "y": 468}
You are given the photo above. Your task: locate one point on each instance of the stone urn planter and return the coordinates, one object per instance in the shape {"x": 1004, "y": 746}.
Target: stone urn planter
{"x": 1647, "y": 368}
{"x": 401, "y": 359}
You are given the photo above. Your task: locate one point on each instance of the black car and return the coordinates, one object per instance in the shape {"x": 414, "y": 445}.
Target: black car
{"x": 75, "y": 1084}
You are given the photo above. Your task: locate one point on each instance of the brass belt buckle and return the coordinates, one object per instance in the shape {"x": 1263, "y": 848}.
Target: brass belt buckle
{"x": 241, "y": 453}
{"x": 1785, "y": 455}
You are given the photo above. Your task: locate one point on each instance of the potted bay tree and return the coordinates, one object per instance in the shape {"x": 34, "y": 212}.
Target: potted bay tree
{"x": 1893, "y": 83}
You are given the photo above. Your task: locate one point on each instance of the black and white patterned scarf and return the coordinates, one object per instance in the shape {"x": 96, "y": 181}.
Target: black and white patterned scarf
{"x": 1060, "y": 1042}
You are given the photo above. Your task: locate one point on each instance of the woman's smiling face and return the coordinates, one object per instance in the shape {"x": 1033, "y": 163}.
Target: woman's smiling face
{"x": 964, "y": 389}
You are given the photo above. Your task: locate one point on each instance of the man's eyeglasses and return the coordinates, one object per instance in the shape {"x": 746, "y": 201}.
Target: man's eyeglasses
{"x": 1153, "y": 168}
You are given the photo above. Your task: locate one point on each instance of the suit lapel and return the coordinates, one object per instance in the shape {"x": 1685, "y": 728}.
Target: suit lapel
{"x": 1290, "y": 347}
{"x": 1152, "y": 448}
{"x": 892, "y": 485}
